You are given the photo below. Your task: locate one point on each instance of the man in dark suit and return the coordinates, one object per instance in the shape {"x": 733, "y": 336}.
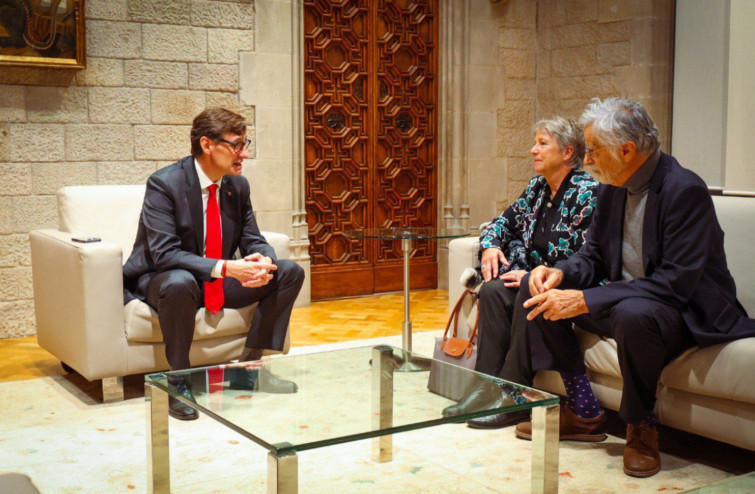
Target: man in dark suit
{"x": 652, "y": 275}
{"x": 196, "y": 214}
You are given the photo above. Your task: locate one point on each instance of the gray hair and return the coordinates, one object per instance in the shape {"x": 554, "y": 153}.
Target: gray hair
{"x": 567, "y": 133}
{"x": 619, "y": 120}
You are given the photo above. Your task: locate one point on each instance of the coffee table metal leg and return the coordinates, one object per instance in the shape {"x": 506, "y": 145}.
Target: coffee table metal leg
{"x": 282, "y": 474}
{"x": 158, "y": 445}
{"x": 382, "y": 402}
{"x": 545, "y": 449}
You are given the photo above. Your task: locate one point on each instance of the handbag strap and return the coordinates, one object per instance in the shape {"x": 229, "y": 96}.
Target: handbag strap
{"x": 454, "y": 317}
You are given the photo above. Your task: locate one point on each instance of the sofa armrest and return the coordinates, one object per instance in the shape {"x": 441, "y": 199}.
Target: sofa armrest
{"x": 78, "y": 302}
{"x": 279, "y": 242}
{"x": 462, "y": 254}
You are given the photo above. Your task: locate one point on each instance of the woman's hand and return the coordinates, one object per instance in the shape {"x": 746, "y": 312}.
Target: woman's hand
{"x": 512, "y": 278}
{"x": 491, "y": 258}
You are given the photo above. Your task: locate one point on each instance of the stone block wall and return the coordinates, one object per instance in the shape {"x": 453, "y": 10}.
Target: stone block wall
{"x": 602, "y": 48}
{"x": 151, "y": 67}
{"x": 553, "y": 57}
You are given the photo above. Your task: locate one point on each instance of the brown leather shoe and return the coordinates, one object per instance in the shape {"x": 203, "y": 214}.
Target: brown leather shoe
{"x": 570, "y": 427}
{"x": 641, "y": 457}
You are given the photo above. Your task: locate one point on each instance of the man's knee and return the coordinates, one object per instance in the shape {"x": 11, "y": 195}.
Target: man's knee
{"x": 633, "y": 318}
{"x": 179, "y": 284}
{"x": 289, "y": 272}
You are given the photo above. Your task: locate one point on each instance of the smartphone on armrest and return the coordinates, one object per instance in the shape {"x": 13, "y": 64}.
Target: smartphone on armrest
{"x": 84, "y": 239}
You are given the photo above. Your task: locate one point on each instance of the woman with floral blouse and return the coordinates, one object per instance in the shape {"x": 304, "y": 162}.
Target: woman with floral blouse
{"x": 546, "y": 224}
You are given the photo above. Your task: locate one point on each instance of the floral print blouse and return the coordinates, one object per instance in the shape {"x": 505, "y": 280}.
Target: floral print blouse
{"x": 512, "y": 230}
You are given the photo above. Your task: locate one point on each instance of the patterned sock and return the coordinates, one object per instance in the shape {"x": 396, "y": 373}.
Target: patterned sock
{"x": 649, "y": 420}
{"x": 579, "y": 396}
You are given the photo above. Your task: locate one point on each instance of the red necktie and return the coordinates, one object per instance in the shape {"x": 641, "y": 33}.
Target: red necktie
{"x": 213, "y": 290}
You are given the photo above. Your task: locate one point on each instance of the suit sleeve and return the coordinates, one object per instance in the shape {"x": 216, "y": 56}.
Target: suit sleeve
{"x": 159, "y": 216}
{"x": 252, "y": 241}
{"x": 685, "y": 233}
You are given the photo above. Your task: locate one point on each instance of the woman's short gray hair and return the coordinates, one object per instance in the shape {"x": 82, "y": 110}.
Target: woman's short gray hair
{"x": 567, "y": 133}
{"x": 619, "y": 120}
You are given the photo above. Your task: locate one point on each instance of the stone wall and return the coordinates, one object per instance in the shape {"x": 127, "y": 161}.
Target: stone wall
{"x": 553, "y": 57}
{"x": 151, "y": 67}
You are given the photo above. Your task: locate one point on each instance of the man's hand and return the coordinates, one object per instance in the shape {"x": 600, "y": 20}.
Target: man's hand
{"x": 512, "y": 278}
{"x": 491, "y": 257}
{"x": 257, "y": 257}
{"x": 543, "y": 279}
{"x": 557, "y": 304}
{"x": 251, "y": 272}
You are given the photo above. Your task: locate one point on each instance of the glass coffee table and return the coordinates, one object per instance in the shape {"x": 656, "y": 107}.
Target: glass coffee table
{"x": 407, "y": 234}
{"x": 341, "y": 397}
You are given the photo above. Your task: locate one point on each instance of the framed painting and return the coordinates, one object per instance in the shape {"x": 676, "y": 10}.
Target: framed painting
{"x": 43, "y": 33}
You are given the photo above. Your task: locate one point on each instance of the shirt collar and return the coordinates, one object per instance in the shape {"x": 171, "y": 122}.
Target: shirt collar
{"x": 204, "y": 180}
{"x": 640, "y": 181}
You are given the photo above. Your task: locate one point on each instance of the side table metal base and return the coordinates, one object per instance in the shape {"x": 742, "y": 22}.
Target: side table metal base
{"x": 405, "y": 363}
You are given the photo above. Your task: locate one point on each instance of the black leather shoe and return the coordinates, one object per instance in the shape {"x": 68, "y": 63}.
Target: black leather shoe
{"x": 499, "y": 420}
{"x": 480, "y": 398}
{"x": 176, "y": 408}
{"x": 260, "y": 380}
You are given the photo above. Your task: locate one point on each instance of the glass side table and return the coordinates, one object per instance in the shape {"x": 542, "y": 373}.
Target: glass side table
{"x": 406, "y": 235}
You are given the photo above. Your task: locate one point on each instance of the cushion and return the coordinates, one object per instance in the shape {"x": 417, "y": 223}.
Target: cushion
{"x": 724, "y": 371}
{"x": 142, "y": 325}
{"x": 110, "y": 212}
{"x": 734, "y": 214}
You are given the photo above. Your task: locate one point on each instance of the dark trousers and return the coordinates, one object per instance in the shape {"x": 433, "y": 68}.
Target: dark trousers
{"x": 503, "y": 349}
{"x": 176, "y": 295}
{"x": 648, "y": 335}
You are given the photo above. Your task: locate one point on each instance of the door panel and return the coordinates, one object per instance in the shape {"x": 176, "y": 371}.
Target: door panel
{"x": 370, "y": 146}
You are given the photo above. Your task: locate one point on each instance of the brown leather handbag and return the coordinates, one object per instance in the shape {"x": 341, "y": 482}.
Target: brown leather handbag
{"x": 447, "y": 380}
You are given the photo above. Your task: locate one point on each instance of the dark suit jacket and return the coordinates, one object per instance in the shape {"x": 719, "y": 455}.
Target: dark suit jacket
{"x": 171, "y": 227}
{"x": 682, "y": 251}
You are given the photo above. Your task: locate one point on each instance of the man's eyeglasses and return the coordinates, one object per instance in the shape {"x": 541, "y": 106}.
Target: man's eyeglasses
{"x": 237, "y": 146}
{"x": 589, "y": 152}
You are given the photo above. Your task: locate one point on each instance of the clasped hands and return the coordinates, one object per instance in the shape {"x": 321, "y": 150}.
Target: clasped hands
{"x": 252, "y": 271}
{"x": 553, "y": 304}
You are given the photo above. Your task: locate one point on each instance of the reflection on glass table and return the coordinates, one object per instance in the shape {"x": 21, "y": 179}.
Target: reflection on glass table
{"x": 406, "y": 235}
{"x": 340, "y": 398}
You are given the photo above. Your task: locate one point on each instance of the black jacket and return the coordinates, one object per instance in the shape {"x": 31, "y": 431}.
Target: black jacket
{"x": 171, "y": 227}
{"x": 682, "y": 252}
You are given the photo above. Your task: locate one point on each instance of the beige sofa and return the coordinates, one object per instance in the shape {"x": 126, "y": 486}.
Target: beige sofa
{"x": 78, "y": 293}
{"x": 710, "y": 391}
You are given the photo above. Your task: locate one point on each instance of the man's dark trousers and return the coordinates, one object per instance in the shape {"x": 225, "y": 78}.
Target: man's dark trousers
{"x": 503, "y": 349}
{"x": 176, "y": 295}
{"x": 648, "y": 335}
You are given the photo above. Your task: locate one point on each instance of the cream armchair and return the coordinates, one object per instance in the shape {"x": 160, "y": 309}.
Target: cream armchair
{"x": 78, "y": 294}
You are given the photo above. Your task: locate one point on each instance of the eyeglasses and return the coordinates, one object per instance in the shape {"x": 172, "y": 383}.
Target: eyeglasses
{"x": 589, "y": 152}
{"x": 237, "y": 146}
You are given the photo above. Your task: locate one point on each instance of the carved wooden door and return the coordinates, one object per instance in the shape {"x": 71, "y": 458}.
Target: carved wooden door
{"x": 370, "y": 140}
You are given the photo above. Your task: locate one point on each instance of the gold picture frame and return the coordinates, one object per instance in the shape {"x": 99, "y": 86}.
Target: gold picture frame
{"x": 43, "y": 33}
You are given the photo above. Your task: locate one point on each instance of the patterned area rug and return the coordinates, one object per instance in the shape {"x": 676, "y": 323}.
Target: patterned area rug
{"x": 54, "y": 431}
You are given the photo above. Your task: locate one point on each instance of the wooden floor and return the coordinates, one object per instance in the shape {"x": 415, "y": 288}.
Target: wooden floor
{"x": 322, "y": 322}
